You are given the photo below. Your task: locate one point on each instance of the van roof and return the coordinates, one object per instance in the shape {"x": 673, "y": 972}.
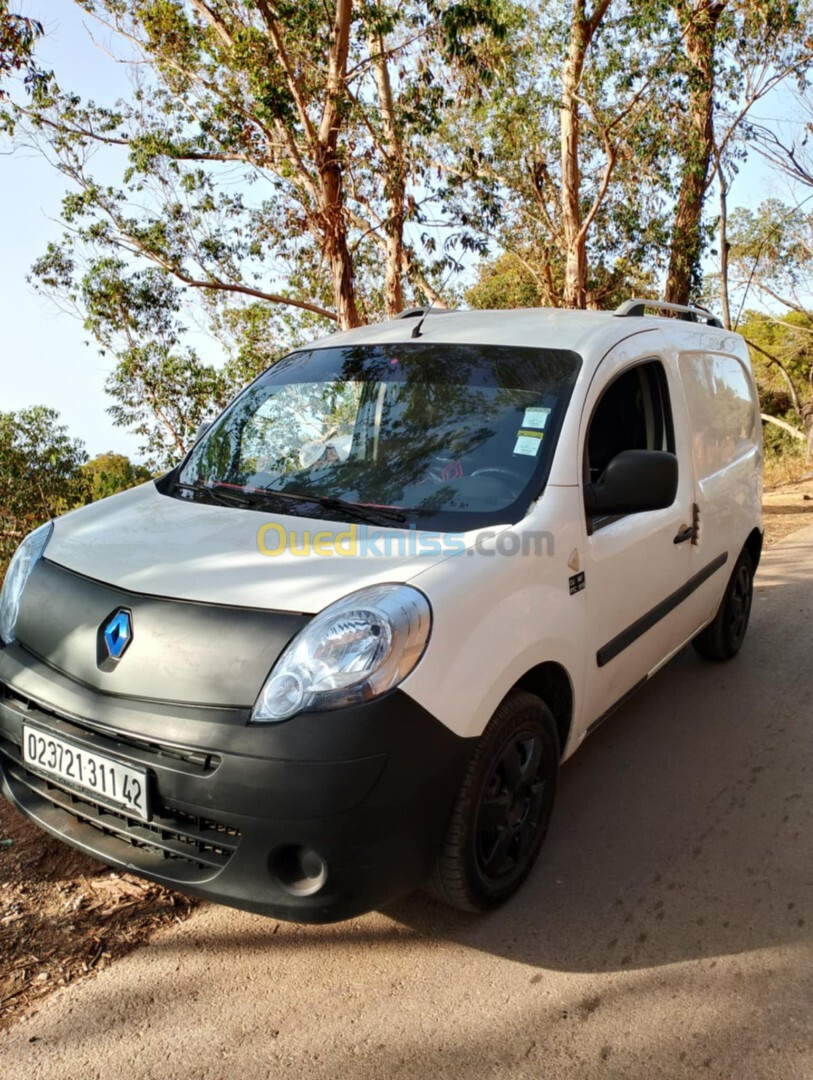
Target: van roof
{"x": 550, "y": 328}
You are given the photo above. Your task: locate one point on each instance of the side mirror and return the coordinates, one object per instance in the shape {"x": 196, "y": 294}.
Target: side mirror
{"x": 203, "y": 427}
{"x": 634, "y": 481}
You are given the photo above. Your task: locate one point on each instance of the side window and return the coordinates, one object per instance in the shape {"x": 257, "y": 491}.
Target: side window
{"x": 722, "y": 410}
{"x": 633, "y": 413}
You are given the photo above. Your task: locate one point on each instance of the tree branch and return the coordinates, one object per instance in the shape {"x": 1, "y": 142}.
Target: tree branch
{"x": 785, "y": 426}
{"x": 337, "y": 72}
{"x": 778, "y": 363}
{"x": 272, "y": 25}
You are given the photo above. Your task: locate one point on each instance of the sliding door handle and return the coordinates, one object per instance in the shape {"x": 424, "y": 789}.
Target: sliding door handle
{"x": 686, "y": 533}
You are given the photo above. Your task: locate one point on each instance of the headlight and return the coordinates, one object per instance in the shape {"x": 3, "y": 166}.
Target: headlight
{"x": 354, "y": 650}
{"x": 23, "y": 562}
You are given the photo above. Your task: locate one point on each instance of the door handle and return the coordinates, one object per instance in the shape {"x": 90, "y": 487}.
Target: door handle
{"x": 690, "y": 532}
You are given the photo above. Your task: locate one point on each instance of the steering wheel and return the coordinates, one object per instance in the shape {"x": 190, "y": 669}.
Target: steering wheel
{"x": 500, "y": 471}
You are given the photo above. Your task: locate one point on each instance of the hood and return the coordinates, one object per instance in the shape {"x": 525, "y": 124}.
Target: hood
{"x": 146, "y": 542}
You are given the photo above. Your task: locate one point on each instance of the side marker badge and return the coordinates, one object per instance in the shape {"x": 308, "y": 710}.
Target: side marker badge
{"x": 577, "y": 583}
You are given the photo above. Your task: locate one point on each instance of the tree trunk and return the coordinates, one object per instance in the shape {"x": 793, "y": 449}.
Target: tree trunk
{"x": 582, "y": 31}
{"x": 394, "y": 181}
{"x": 700, "y": 21}
{"x": 575, "y": 241}
{"x": 724, "y": 296}
{"x": 807, "y": 419}
{"x": 332, "y": 219}
{"x": 333, "y": 231}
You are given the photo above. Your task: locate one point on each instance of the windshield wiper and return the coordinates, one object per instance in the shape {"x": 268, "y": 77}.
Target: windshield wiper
{"x": 377, "y": 515}
{"x": 217, "y": 496}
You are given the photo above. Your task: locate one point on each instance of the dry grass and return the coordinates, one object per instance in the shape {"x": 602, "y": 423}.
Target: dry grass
{"x": 788, "y": 507}
{"x": 786, "y": 468}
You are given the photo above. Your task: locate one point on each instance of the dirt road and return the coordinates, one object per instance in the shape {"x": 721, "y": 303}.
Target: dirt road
{"x": 665, "y": 933}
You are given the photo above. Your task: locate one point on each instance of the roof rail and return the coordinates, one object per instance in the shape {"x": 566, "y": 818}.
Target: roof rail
{"x": 638, "y": 306}
{"x": 415, "y": 312}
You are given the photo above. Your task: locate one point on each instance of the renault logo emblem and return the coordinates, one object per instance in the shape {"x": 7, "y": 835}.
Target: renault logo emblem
{"x": 118, "y": 633}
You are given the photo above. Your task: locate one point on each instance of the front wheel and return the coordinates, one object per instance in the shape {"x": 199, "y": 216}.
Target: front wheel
{"x": 722, "y": 639}
{"x": 502, "y": 811}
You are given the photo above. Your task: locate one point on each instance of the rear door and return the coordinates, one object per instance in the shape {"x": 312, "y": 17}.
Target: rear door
{"x": 635, "y": 571}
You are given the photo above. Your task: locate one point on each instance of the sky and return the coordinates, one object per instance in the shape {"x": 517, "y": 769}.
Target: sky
{"x": 44, "y": 355}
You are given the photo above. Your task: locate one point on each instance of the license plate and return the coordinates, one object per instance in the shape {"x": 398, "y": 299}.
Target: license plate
{"x": 105, "y": 778}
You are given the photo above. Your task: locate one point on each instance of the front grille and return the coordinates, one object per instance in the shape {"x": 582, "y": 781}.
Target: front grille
{"x": 175, "y": 845}
{"x": 200, "y": 844}
{"x": 199, "y": 760}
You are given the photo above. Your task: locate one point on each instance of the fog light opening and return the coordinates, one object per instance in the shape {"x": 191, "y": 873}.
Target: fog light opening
{"x": 300, "y": 871}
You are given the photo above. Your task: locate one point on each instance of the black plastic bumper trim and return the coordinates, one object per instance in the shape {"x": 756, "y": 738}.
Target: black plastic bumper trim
{"x": 368, "y": 788}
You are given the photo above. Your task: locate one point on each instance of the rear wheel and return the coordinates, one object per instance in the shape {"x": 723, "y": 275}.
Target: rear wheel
{"x": 502, "y": 811}
{"x": 722, "y": 639}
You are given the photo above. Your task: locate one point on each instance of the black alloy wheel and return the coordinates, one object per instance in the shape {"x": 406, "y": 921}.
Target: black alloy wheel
{"x": 503, "y": 808}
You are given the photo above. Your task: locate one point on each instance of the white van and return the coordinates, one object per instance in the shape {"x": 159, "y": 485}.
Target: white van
{"x": 342, "y": 649}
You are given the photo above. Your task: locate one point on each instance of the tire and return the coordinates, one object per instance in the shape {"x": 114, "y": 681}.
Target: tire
{"x": 502, "y": 811}
{"x": 722, "y": 639}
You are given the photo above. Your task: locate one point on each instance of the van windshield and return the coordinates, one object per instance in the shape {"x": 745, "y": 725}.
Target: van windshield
{"x": 448, "y": 436}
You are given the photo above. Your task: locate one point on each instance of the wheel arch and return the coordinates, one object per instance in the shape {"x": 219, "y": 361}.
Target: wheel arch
{"x": 753, "y": 545}
{"x": 551, "y": 682}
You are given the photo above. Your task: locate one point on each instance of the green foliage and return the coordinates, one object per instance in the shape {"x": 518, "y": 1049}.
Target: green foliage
{"x": 108, "y": 474}
{"x": 249, "y": 337}
{"x": 40, "y": 473}
{"x": 258, "y": 163}
{"x": 18, "y": 36}
{"x": 502, "y": 151}
{"x": 262, "y": 173}
{"x": 163, "y": 395}
{"x": 782, "y": 359}
{"x": 161, "y": 389}
{"x": 507, "y": 282}
{"x": 771, "y": 253}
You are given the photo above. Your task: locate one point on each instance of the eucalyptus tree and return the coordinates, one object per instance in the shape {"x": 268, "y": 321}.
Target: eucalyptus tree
{"x": 18, "y": 36}
{"x": 771, "y": 259}
{"x": 591, "y": 165}
{"x": 266, "y": 179}
{"x": 733, "y": 53}
{"x": 265, "y": 140}
{"x": 566, "y": 166}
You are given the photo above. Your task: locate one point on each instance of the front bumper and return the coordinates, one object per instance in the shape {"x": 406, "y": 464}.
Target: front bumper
{"x": 369, "y": 789}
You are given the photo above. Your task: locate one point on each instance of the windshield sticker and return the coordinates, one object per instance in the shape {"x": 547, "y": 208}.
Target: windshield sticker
{"x": 536, "y": 418}
{"x": 528, "y": 442}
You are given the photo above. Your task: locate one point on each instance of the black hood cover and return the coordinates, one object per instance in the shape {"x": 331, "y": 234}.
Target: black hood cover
{"x": 178, "y": 651}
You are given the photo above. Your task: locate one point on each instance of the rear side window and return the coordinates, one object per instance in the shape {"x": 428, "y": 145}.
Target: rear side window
{"x": 722, "y": 410}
